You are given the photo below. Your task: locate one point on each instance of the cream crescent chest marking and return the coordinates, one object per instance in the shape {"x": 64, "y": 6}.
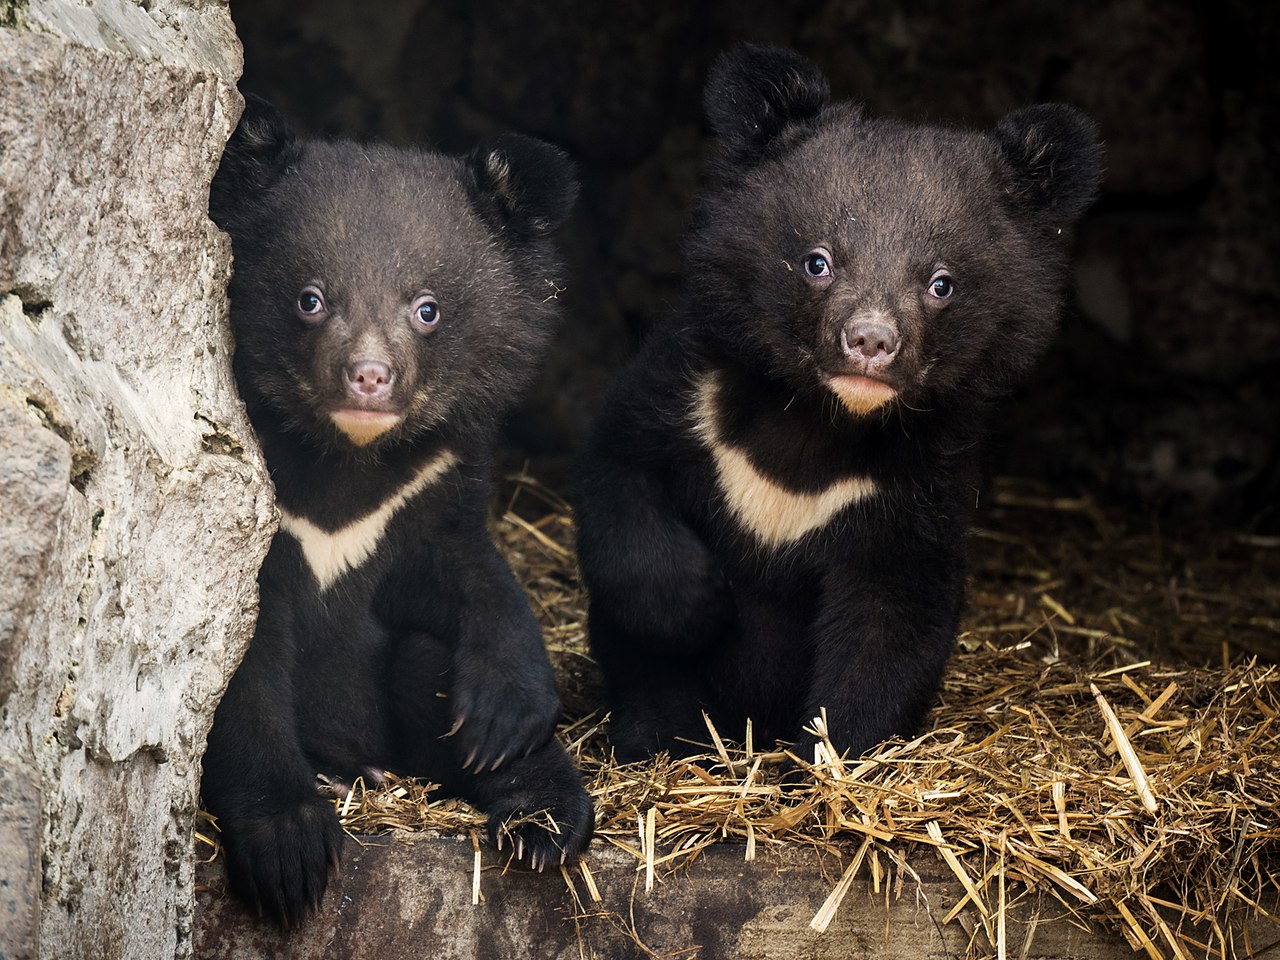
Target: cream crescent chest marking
{"x": 330, "y": 554}
{"x": 775, "y": 515}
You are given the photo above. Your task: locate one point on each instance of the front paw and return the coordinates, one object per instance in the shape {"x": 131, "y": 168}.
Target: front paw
{"x": 543, "y": 824}
{"x": 279, "y": 863}
{"x": 500, "y": 714}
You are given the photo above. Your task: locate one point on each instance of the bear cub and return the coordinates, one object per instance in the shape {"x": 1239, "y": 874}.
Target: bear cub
{"x": 388, "y": 307}
{"x": 772, "y": 508}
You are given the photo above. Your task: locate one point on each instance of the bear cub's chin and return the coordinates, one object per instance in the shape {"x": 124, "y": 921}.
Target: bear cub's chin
{"x": 363, "y": 427}
{"x": 859, "y": 394}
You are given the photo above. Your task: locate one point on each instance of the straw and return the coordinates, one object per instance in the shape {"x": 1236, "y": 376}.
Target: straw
{"x": 1088, "y": 745}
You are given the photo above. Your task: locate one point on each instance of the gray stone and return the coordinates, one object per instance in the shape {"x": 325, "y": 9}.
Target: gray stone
{"x": 399, "y": 899}
{"x": 133, "y": 490}
{"x": 195, "y": 35}
{"x": 19, "y": 861}
{"x": 35, "y": 473}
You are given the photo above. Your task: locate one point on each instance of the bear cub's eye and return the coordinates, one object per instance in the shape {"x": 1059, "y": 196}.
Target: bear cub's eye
{"x": 817, "y": 264}
{"x": 941, "y": 286}
{"x": 425, "y": 313}
{"x": 310, "y": 303}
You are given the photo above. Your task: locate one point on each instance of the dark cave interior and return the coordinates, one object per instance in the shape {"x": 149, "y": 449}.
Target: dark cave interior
{"x": 1162, "y": 392}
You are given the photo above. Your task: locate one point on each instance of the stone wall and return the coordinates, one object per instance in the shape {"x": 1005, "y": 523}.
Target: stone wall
{"x": 1165, "y": 385}
{"x": 134, "y": 508}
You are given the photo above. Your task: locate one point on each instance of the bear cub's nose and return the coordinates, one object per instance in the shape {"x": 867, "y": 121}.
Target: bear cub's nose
{"x": 870, "y": 340}
{"x": 369, "y": 379}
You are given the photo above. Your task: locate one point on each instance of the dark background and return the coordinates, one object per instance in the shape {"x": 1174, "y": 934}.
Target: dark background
{"x": 1163, "y": 390}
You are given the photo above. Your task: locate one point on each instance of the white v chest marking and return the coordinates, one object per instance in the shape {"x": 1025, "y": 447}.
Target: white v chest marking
{"x": 775, "y": 515}
{"x": 330, "y": 554}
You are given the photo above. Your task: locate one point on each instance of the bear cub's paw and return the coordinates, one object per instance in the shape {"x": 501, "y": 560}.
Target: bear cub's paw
{"x": 543, "y": 835}
{"x": 538, "y": 809}
{"x": 280, "y": 863}
{"x": 501, "y": 715}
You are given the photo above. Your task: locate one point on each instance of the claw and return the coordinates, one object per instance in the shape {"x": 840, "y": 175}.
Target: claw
{"x": 497, "y": 763}
{"x": 457, "y": 725}
{"x": 466, "y": 764}
{"x": 520, "y": 849}
{"x": 501, "y": 834}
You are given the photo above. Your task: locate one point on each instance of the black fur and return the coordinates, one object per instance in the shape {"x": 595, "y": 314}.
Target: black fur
{"x": 691, "y": 610}
{"x": 747, "y": 116}
{"x": 425, "y": 658}
{"x": 526, "y": 184}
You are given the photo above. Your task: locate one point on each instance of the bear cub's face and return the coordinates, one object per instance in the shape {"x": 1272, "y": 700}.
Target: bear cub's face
{"x": 881, "y": 262}
{"x": 378, "y": 292}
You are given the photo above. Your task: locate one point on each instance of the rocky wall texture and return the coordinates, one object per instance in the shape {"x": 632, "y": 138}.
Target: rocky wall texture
{"x": 134, "y": 508}
{"x": 1165, "y": 384}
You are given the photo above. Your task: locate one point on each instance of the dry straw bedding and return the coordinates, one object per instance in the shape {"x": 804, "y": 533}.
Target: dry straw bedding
{"x": 1064, "y": 758}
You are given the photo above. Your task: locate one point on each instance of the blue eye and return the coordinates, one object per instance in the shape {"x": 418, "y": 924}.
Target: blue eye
{"x": 310, "y": 303}
{"x": 818, "y": 264}
{"x": 941, "y": 286}
{"x": 425, "y": 312}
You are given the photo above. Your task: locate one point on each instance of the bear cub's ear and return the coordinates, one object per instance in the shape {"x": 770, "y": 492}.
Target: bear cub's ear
{"x": 258, "y": 153}
{"x": 528, "y": 185}
{"x": 1054, "y": 156}
{"x": 753, "y": 93}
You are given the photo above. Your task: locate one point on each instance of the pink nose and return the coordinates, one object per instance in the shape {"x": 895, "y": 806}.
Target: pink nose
{"x": 874, "y": 342}
{"x": 369, "y": 379}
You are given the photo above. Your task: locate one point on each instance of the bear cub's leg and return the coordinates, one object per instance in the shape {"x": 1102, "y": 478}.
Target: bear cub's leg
{"x": 476, "y": 713}
{"x": 389, "y": 306}
{"x": 660, "y": 607}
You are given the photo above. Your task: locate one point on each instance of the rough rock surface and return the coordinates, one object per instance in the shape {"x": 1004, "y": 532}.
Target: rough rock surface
{"x": 19, "y": 861}
{"x": 134, "y": 508}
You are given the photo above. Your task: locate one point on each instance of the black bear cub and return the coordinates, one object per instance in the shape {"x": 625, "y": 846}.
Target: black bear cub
{"x": 772, "y": 509}
{"x": 388, "y": 306}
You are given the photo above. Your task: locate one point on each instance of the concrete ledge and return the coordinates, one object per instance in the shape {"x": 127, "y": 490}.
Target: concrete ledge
{"x": 395, "y": 899}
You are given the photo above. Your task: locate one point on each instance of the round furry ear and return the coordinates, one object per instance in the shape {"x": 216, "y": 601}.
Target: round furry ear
{"x": 753, "y": 93}
{"x": 258, "y": 153}
{"x": 527, "y": 185}
{"x": 1055, "y": 158}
